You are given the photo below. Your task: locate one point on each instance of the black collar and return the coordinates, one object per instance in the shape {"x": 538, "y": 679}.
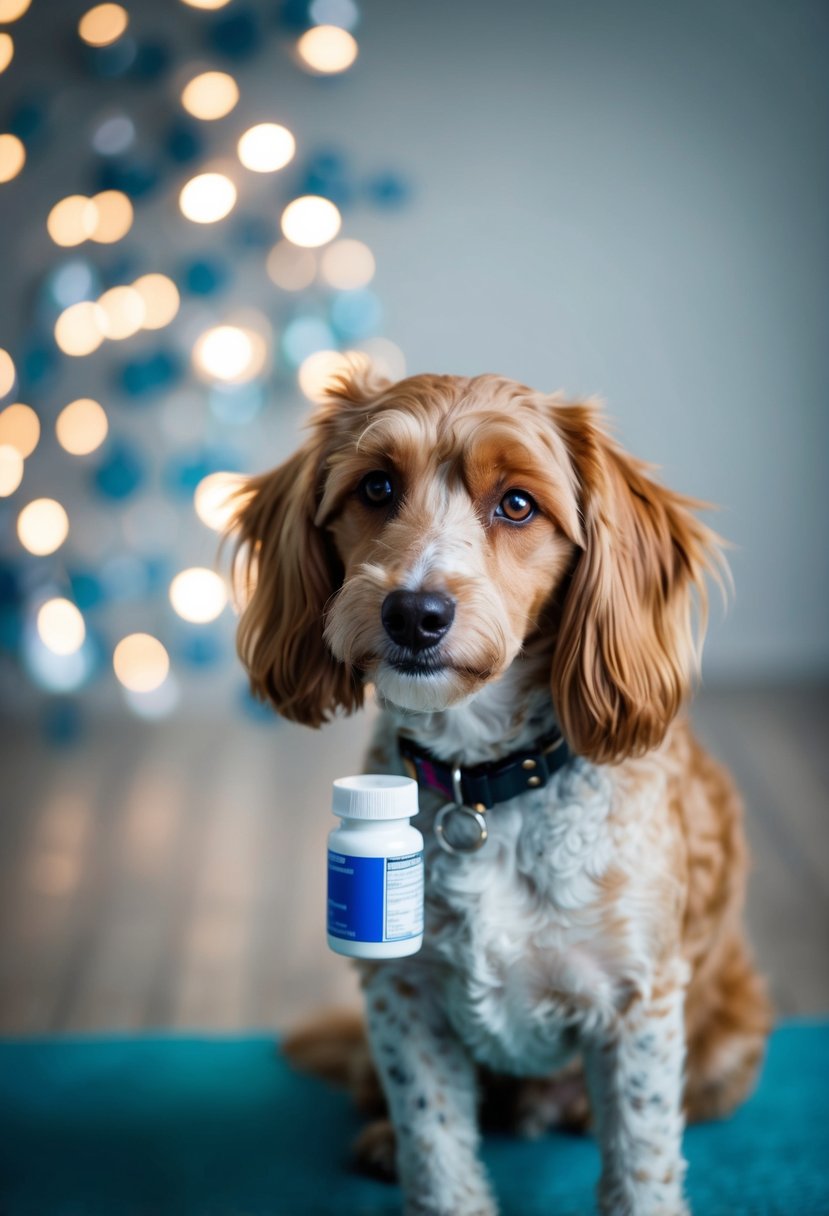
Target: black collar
{"x": 481, "y": 786}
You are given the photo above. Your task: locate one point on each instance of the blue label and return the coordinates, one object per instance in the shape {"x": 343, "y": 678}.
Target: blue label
{"x": 356, "y": 887}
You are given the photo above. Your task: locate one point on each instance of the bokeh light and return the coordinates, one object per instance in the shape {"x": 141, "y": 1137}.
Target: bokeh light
{"x": 73, "y": 282}
{"x": 207, "y": 198}
{"x": 6, "y": 51}
{"x": 114, "y": 135}
{"x": 327, "y": 49}
{"x": 347, "y": 265}
{"x": 210, "y": 95}
{"x": 303, "y": 336}
{"x": 230, "y": 353}
{"x": 113, "y": 217}
{"x": 61, "y": 626}
{"x": 54, "y": 672}
{"x": 72, "y": 220}
{"x": 266, "y": 147}
{"x": 310, "y": 221}
{"x": 12, "y": 157}
{"x": 20, "y": 428}
{"x": 214, "y": 499}
{"x": 198, "y": 595}
{"x": 8, "y": 375}
{"x": 81, "y": 426}
{"x": 10, "y": 10}
{"x": 209, "y": 4}
{"x": 11, "y": 469}
{"x": 160, "y": 297}
{"x": 291, "y": 267}
{"x": 103, "y": 24}
{"x": 140, "y": 662}
{"x": 317, "y": 370}
{"x": 79, "y": 330}
{"x": 122, "y": 312}
{"x": 42, "y": 526}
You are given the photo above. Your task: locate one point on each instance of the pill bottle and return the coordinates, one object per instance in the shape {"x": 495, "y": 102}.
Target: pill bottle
{"x": 375, "y": 869}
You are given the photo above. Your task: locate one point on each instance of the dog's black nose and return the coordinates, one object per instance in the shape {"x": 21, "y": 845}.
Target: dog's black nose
{"x": 417, "y": 619}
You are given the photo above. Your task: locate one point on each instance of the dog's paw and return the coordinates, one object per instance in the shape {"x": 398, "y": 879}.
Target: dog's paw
{"x": 375, "y": 1151}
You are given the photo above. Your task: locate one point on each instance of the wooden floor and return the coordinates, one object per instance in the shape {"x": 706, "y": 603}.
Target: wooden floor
{"x": 172, "y": 875}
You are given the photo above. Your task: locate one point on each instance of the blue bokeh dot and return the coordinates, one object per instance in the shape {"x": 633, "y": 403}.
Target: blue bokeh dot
{"x": 121, "y": 472}
{"x": 204, "y": 276}
{"x": 147, "y": 375}
{"x": 236, "y": 36}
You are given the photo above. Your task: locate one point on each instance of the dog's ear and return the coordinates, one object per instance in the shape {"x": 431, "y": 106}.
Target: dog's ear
{"x": 627, "y": 646}
{"x": 285, "y": 571}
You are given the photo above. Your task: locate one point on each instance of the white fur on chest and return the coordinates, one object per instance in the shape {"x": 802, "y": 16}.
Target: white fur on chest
{"x": 515, "y": 925}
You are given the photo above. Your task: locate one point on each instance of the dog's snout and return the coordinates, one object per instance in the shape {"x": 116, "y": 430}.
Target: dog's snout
{"x": 417, "y": 619}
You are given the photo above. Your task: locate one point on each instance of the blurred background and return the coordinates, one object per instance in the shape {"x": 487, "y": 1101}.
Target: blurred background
{"x": 203, "y": 206}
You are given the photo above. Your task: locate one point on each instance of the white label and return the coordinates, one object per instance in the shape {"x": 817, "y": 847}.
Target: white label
{"x": 404, "y": 897}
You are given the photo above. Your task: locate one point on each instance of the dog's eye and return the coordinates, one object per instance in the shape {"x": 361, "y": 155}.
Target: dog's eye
{"x": 376, "y": 489}
{"x": 517, "y": 506}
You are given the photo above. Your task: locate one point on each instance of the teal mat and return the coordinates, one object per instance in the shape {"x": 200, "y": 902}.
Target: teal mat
{"x": 222, "y": 1127}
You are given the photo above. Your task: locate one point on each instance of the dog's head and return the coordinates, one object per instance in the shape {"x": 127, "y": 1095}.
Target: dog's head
{"x": 429, "y": 530}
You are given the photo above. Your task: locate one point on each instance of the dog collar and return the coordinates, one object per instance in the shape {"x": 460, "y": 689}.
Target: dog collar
{"x": 477, "y": 788}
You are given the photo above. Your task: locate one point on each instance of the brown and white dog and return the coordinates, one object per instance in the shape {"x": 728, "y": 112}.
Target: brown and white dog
{"x": 494, "y": 564}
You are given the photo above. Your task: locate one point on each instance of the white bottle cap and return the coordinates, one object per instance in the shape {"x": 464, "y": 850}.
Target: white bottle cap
{"x": 375, "y": 797}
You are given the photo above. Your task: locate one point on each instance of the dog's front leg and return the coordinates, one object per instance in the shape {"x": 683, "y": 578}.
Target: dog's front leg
{"x": 634, "y": 1075}
{"x": 430, "y": 1085}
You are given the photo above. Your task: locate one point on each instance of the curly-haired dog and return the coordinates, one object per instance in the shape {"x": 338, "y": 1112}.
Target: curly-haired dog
{"x": 520, "y": 593}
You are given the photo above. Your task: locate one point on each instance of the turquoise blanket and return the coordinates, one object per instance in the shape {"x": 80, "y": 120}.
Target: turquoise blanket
{"x": 222, "y": 1127}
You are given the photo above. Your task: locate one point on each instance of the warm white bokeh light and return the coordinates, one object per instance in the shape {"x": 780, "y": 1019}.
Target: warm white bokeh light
{"x": 12, "y": 157}
{"x": 79, "y": 330}
{"x": 122, "y": 312}
{"x": 347, "y": 265}
{"x": 230, "y": 354}
{"x": 20, "y": 427}
{"x": 61, "y": 626}
{"x": 198, "y": 595}
{"x": 141, "y": 663}
{"x": 214, "y": 499}
{"x": 113, "y": 216}
{"x": 42, "y": 526}
{"x": 266, "y": 147}
{"x": 81, "y": 426}
{"x": 207, "y": 198}
{"x": 103, "y": 24}
{"x": 11, "y": 469}
{"x": 10, "y": 10}
{"x": 291, "y": 267}
{"x": 327, "y": 49}
{"x": 161, "y": 299}
{"x": 310, "y": 221}
{"x": 8, "y": 375}
{"x": 209, "y": 4}
{"x": 72, "y": 220}
{"x": 210, "y": 95}
{"x": 315, "y": 372}
{"x": 6, "y": 51}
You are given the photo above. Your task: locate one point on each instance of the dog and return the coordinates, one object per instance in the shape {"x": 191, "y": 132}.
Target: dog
{"x": 527, "y": 602}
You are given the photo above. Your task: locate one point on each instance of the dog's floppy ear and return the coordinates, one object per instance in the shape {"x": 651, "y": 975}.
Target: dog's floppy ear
{"x": 627, "y": 647}
{"x": 285, "y": 571}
